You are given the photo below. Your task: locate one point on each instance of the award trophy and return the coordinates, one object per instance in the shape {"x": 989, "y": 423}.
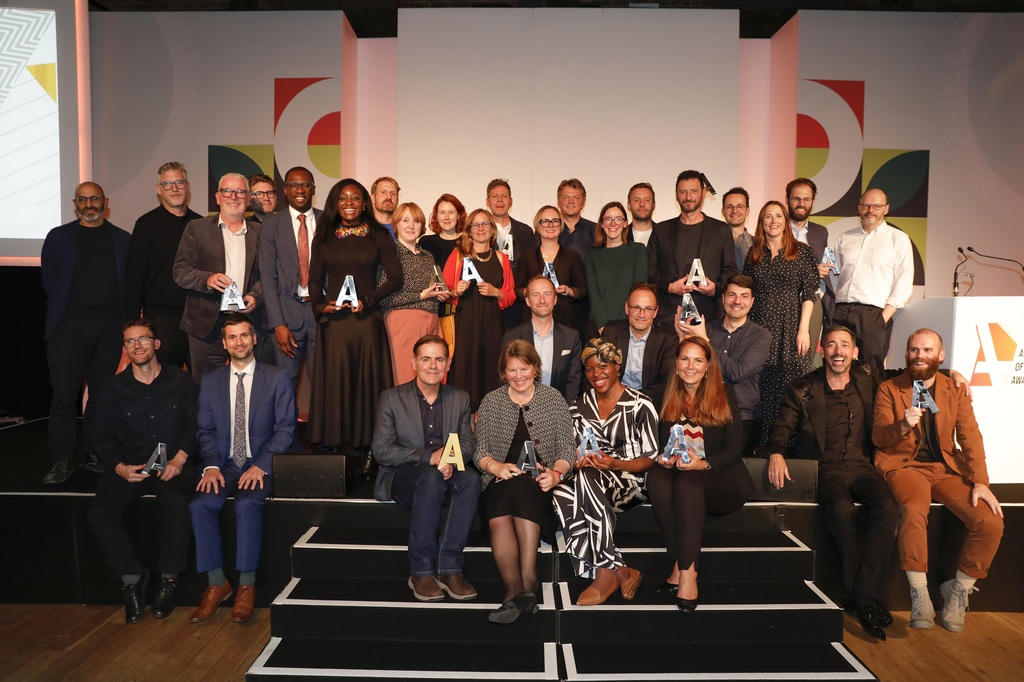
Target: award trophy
{"x": 675, "y": 445}
{"x": 469, "y": 271}
{"x": 439, "y": 284}
{"x": 588, "y": 443}
{"x": 688, "y": 313}
{"x": 549, "y": 272}
{"x": 528, "y": 460}
{"x": 923, "y": 399}
{"x": 157, "y": 461}
{"x": 452, "y": 453}
{"x": 828, "y": 257}
{"x": 232, "y": 300}
{"x": 347, "y": 295}
{"x": 697, "y": 276}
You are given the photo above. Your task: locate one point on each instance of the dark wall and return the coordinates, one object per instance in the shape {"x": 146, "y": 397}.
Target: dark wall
{"x": 24, "y": 378}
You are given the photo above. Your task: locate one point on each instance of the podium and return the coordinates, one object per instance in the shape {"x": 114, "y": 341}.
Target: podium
{"x": 984, "y": 340}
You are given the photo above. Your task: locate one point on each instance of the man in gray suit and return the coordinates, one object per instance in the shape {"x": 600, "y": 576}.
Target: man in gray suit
{"x": 214, "y": 253}
{"x": 800, "y": 195}
{"x": 286, "y": 240}
{"x": 558, "y": 345}
{"x": 414, "y": 422}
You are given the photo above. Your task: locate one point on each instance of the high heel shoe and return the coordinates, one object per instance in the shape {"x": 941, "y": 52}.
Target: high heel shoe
{"x": 668, "y": 589}
{"x": 686, "y": 605}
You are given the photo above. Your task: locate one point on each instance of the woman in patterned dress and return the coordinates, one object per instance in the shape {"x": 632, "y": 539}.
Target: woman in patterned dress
{"x": 607, "y": 482}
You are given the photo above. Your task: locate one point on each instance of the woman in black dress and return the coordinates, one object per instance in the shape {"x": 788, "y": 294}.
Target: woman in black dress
{"x": 447, "y": 222}
{"x": 353, "y": 359}
{"x": 479, "y": 326}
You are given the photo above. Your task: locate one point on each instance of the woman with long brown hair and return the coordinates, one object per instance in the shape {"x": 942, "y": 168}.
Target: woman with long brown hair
{"x": 710, "y": 478}
{"x": 447, "y": 222}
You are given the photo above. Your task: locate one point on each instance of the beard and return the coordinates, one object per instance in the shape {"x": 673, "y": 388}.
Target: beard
{"x": 929, "y": 371}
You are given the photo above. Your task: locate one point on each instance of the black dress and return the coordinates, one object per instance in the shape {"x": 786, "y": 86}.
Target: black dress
{"x": 570, "y": 272}
{"x": 353, "y": 358}
{"x": 479, "y": 328}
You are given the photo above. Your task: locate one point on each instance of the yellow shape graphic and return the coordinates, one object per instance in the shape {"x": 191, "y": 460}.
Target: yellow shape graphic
{"x": 326, "y": 158}
{"x": 46, "y": 75}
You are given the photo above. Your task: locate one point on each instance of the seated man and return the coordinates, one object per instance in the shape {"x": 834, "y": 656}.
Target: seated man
{"x": 829, "y": 411}
{"x": 649, "y": 350}
{"x": 246, "y": 415}
{"x": 125, "y": 438}
{"x": 558, "y": 345}
{"x": 414, "y": 421}
{"x": 921, "y": 461}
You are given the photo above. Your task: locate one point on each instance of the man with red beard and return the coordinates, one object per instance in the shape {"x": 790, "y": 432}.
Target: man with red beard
{"x": 921, "y": 461}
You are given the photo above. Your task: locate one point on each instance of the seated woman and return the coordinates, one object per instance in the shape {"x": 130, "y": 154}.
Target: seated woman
{"x": 517, "y": 508}
{"x": 609, "y": 481}
{"x": 714, "y": 481}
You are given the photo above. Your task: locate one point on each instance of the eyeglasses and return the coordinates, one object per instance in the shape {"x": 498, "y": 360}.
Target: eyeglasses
{"x": 167, "y": 184}
{"x": 613, "y": 220}
{"x": 874, "y": 207}
{"x": 296, "y": 185}
{"x": 260, "y": 193}
{"x": 474, "y": 226}
{"x": 86, "y": 200}
{"x": 645, "y": 309}
{"x": 227, "y": 193}
{"x": 143, "y": 340}
{"x": 550, "y": 222}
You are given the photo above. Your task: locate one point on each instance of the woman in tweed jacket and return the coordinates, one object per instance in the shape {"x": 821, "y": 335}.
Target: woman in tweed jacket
{"x": 518, "y": 507}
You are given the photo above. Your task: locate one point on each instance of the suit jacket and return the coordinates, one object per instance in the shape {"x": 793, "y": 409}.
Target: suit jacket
{"x": 523, "y": 239}
{"x": 566, "y": 369}
{"x": 201, "y": 254}
{"x": 271, "y": 409}
{"x": 659, "y": 357}
{"x": 279, "y": 270}
{"x": 801, "y": 419}
{"x": 398, "y": 435}
{"x": 817, "y": 239}
{"x": 955, "y": 417}
{"x": 57, "y": 261}
{"x": 668, "y": 261}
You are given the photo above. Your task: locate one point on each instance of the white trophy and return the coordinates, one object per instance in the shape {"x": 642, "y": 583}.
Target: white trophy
{"x": 347, "y": 295}
{"x": 697, "y": 276}
{"x": 469, "y": 271}
{"x": 231, "y": 300}
{"x": 922, "y": 398}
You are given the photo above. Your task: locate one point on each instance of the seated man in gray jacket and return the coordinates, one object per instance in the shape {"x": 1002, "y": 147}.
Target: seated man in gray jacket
{"x": 414, "y": 421}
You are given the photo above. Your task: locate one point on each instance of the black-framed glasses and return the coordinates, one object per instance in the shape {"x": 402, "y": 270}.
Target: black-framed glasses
{"x": 167, "y": 184}
{"x": 645, "y": 309}
{"x": 227, "y": 193}
{"x": 269, "y": 193}
{"x": 297, "y": 185}
{"x": 143, "y": 340}
{"x": 86, "y": 200}
{"x": 550, "y": 222}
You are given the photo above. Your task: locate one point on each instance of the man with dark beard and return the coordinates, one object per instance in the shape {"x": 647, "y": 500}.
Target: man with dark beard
{"x": 921, "y": 461}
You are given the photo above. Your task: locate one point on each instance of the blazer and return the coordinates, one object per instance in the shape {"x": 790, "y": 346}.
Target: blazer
{"x": 801, "y": 419}
{"x": 817, "y": 239}
{"x": 57, "y": 261}
{"x": 398, "y": 435}
{"x": 667, "y": 261}
{"x": 271, "y": 411}
{"x": 523, "y": 239}
{"x": 279, "y": 270}
{"x": 659, "y": 357}
{"x": 201, "y": 254}
{"x": 566, "y": 369}
{"x": 955, "y": 417}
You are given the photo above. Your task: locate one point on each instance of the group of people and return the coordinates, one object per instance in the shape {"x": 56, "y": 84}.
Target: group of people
{"x": 499, "y": 311}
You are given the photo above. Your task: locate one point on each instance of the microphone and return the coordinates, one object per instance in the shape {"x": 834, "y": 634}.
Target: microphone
{"x": 1008, "y": 260}
{"x": 956, "y": 272}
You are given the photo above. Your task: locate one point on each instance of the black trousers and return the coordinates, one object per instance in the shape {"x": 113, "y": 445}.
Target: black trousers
{"x": 872, "y": 332}
{"x": 106, "y": 518}
{"x": 865, "y": 571}
{"x": 173, "y": 341}
{"x": 207, "y": 354}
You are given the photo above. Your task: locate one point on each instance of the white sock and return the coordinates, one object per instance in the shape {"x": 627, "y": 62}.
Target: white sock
{"x": 966, "y": 581}
{"x": 917, "y": 579}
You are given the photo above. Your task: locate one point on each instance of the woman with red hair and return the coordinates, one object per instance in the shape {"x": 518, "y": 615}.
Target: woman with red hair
{"x": 447, "y": 221}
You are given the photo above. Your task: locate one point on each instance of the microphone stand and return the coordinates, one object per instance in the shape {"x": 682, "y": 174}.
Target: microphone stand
{"x": 956, "y": 272}
{"x": 1008, "y": 260}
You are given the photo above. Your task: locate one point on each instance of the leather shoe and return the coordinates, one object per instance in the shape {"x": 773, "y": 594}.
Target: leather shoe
{"x": 868, "y": 617}
{"x": 592, "y": 596}
{"x": 211, "y": 599}
{"x": 60, "y": 472}
{"x": 425, "y": 588}
{"x": 686, "y": 605}
{"x": 245, "y": 602}
{"x": 135, "y": 599}
{"x": 668, "y": 589}
{"x": 166, "y": 598}
{"x": 91, "y": 463}
{"x": 884, "y": 618}
{"x": 456, "y": 586}
{"x": 630, "y": 584}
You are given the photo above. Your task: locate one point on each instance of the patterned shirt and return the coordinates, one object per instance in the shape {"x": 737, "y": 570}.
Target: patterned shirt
{"x": 417, "y": 274}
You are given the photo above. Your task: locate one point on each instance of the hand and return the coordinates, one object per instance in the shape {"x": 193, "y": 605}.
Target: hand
{"x": 252, "y": 477}
{"x": 218, "y": 281}
{"x": 211, "y": 482}
{"x": 959, "y": 380}
{"x": 803, "y": 342}
{"x": 330, "y": 309}
{"x": 435, "y": 457}
{"x": 680, "y": 286}
{"x": 548, "y": 478}
{"x": 981, "y": 492}
{"x": 250, "y": 304}
{"x": 606, "y": 463}
{"x": 285, "y": 340}
{"x": 695, "y": 463}
{"x": 446, "y": 471}
{"x": 357, "y": 308}
{"x": 911, "y": 418}
{"x": 443, "y": 296}
{"x": 131, "y": 472}
{"x": 669, "y": 463}
{"x": 503, "y": 471}
{"x": 461, "y": 286}
{"x": 174, "y": 466}
{"x": 778, "y": 471}
{"x": 685, "y": 330}
{"x": 824, "y": 270}
{"x": 708, "y": 288}
{"x": 563, "y": 290}
{"x": 487, "y": 289}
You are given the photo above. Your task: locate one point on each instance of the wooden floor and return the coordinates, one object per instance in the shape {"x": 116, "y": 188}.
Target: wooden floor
{"x": 61, "y": 642}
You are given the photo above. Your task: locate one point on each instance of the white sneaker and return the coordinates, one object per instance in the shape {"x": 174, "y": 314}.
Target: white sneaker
{"x": 955, "y": 597}
{"x": 922, "y": 613}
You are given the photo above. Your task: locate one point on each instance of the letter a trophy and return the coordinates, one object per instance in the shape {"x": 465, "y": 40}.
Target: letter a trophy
{"x": 528, "y": 460}
{"x": 588, "y": 444}
{"x": 688, "y": 313}
{"x": 232, "y": 300}
{"x": 157, "y": 461}
{"x": 347, "y": 296}
{"x": 922, "y": 398}
{"x": 452, "y": 453}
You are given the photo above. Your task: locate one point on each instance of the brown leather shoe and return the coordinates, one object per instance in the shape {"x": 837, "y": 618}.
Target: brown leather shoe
{"x": 212, "y": 598}
{"x": 457, "y": 587}
{"x": 629, "y": 585}
{"x": 592, "y": 596}
{"x": 425, "y": 588}
{"x": 245, "y": 602}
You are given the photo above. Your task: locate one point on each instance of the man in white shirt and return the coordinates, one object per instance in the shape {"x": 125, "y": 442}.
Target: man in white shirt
{"x": 876, "y": 278}
{"x": 640, "y": 201}
{"x": 736, "y": 210}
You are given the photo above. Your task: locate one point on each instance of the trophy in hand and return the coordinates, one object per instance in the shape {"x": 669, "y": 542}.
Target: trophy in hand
{"x": 452, "y": 453}
{"x": 688, "y": 313}
{"x": 347, "y": 296}
{"x": 440, "y": 286}
{"x": 588, "y": 444}
{"x": 528, "y": 460}
{"x": 828, "y": 257}
{"x": 923, "y": 399}
{"x": 231, "y": 300}
{"x": 697, "y": 277}
{"x": 157, "y": 461}
{"x": 469, "y": 271}
{"x": 549, "y": 272}
{"x": 674, "y": 446}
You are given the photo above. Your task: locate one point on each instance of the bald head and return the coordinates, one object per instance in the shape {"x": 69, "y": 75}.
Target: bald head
{"x": 90, "y": 204}
{"x": 872, "y": 209}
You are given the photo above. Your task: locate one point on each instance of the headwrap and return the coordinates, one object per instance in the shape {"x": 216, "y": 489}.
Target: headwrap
{"x": 605, "y": 350}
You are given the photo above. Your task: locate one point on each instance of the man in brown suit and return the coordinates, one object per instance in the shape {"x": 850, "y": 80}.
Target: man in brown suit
{"x": 918, "y": 457}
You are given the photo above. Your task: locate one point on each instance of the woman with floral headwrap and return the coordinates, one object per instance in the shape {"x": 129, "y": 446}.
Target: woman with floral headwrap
{"x": 609, "y": 478}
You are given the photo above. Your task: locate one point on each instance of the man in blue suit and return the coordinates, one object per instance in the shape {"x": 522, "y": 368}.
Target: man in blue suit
{"x": 285, "y": 246}
{"x": 246, "y": 414}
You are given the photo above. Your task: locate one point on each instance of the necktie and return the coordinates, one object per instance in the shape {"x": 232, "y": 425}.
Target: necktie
{"x": 303, "y": 252}
{"x": 238, "y": 430}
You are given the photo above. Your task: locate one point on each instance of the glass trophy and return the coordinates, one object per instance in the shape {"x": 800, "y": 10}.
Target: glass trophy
{"x": 439, "y": 284}
{"x": 688, "y": 313}
{"x": 923, "y": 399}
{"x": 469, "y": 271}
{"x": 697, "y": 276}
{"x": 828, "y": 257}
{"x": 528, "y": 460}
{"x": 347, "y": 295}
{"x": 675, "y": 445}
{"x": 549, "y": 272}
{"x": 157, "y": 461}
{"x": 452, "y": 453}
{"x": 231, "y": 300}
{"x": 588, "y": 443}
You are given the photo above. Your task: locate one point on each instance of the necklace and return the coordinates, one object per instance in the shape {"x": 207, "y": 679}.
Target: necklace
{"x": 359, "y": 231}
{"x": 481, "y": 259}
